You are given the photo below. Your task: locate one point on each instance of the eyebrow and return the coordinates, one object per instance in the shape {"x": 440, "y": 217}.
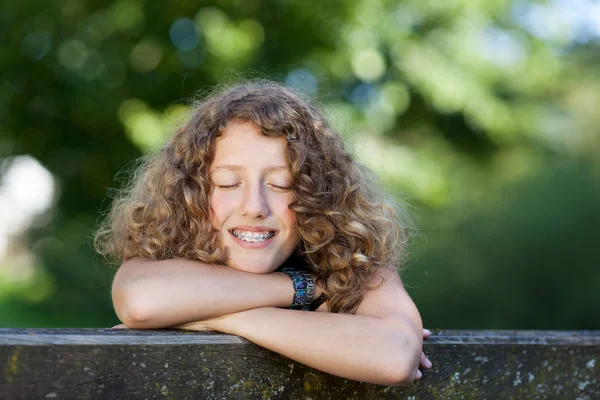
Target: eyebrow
{"x": 239, "y": 167}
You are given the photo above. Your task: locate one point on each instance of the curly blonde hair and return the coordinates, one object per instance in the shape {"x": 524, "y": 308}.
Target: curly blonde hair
{"x": 348, "y": 226}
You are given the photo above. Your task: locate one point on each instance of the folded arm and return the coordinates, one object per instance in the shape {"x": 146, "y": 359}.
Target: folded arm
{"x": 151, "y": 294}
{"x": 381, "y": 344}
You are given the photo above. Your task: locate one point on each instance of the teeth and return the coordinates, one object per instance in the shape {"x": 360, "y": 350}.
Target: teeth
{"x": 253, "y": 237}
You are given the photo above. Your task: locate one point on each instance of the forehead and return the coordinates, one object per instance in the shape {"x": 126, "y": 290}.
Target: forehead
{"x": 241, "y": 143}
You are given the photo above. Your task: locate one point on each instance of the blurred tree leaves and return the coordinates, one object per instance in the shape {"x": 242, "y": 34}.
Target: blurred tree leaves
{"x": 526, "y": 256}
{"x": 478, "y": 112}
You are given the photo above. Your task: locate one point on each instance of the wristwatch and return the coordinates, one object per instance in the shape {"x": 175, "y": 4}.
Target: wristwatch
{"x": 304, "y": 288}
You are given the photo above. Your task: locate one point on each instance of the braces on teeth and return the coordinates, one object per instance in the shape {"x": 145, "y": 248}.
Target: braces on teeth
{"x": 248, "y": 237}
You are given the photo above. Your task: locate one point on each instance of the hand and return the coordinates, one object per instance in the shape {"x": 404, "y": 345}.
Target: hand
{"x": 200, "y": 326}
{"x": 221, "y": 324}
{"x": 425, "y": 363}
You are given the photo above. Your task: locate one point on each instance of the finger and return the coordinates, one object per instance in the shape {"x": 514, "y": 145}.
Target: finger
{"x": 120, "y": 326}
{"x": 188, "y": 326}
{"x": 193, "y": 326}
{"x": 419, "y": 375}
{"x": 426, "y": 333}
{"x": 425, "y": 363}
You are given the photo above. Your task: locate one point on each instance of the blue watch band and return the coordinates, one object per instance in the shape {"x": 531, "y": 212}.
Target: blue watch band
{"x": 304, "y": 287}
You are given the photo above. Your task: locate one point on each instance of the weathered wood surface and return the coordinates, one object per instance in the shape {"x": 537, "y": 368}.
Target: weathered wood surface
{"x": 123, "y": 364}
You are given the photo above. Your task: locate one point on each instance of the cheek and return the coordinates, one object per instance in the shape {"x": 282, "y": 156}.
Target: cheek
{"x": 287, "y": 216}
{"x": 221, "y": 206}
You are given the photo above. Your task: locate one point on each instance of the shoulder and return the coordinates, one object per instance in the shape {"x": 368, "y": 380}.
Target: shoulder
{"x": 388, "y": 299}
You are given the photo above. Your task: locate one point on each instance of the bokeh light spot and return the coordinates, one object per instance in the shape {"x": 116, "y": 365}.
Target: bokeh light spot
{"x": 397, "y": 96}
{"x": 303, "y": 81}
{"x": 368, "y": 65}
{"x": 36, "y": 45}
{"x": 128, "y": 17}
{"x": 145, "y": 56}
{"x": 183, "y": 34}
{"x": 72, "y": 54}
{"x": 99, "y": 26}
{"x": 143, "y": 127}
{"x": 362, "y": 94}
{"x": 227, "y": 39}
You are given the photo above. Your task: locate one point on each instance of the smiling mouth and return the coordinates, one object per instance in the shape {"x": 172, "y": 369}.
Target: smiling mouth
{"x": 253, "y": 237}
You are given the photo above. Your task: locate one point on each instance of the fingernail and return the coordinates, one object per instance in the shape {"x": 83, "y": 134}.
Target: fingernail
{"x": 419, "y": 374}
{"x": 427, "y": 331}
{"x": 428, "y": 363}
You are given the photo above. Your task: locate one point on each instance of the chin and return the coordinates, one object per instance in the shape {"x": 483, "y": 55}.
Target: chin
{"x": 252, "y": 267}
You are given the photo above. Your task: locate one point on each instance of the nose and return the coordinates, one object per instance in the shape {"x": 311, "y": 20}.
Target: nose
{"x": 255, "y": 203}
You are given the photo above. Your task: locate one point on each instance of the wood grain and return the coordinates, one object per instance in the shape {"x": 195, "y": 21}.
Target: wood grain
{"x": 139, "y": 364}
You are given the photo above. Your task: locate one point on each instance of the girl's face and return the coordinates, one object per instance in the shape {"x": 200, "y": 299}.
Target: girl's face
{"x": 251, "y": 192}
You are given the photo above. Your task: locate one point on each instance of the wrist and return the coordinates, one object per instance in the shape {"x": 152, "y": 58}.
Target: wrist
{"x": 304, "y": 288}
{"x": 286, "y": 290}
{"x": 225, "y": 324}
{"x": 243, "y": 322}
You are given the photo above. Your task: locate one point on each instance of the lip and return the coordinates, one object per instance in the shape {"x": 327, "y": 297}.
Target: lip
{"x": 249, "y": 228}
{"x": 251, "y": 245}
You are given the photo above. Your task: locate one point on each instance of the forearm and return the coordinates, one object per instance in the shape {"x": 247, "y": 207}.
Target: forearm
{"x": 358, "y": 347}
{"x": 155, "y": 294}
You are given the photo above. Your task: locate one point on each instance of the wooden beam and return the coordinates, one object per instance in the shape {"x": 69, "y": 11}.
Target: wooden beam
{"x": 132, "y": 364}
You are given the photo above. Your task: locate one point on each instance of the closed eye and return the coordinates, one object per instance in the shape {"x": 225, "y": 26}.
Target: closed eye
{"x": 228, "y": 186}
{"x": 281, "y": 187}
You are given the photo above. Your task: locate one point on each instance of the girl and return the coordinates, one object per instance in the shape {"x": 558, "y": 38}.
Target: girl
{"x": 252, "y": 216}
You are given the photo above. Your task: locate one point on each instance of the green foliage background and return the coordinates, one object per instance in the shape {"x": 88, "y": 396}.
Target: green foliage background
{"x": 483, "y": 122}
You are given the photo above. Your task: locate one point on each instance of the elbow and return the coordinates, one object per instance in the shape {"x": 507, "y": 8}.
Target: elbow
{"x": 133, "y": 308}
{"x": 403, "y": 376}
{"x": 402, "y": 371}
{"x": 132, "y": 311}
{"x": 404, "y": 380}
